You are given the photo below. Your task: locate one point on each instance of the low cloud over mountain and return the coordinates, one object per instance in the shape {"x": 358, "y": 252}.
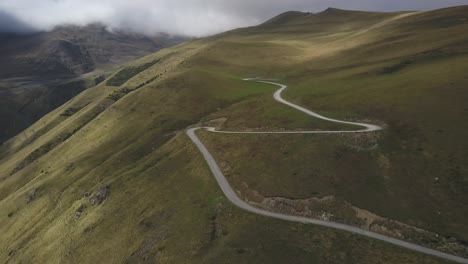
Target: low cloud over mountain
{"x": 188, "y": 17}
{"x": 9, "y": 24}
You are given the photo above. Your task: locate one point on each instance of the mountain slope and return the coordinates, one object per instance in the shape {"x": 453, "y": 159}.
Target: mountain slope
{"x": 113, "y": 171}
{"x": 41, "y": 71}
{"x": 72, "y": 50}
{"x": 24, "y": 101}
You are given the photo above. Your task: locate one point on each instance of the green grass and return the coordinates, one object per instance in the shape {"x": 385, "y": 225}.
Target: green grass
{"x": 424, "y": 108}
{"x": 164, "y": 205}
{"x": 176, "y": 215}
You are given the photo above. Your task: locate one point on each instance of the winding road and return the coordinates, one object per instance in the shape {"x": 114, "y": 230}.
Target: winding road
{"x": 232, "y": 196}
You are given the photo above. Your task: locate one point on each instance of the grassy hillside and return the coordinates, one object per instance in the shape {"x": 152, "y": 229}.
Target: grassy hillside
{"x": 43, "y": 70}
{"x": 110, "y": 176}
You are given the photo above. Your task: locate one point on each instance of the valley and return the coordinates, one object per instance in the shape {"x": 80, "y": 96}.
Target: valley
{"x": 113, "y": 171}
{"x": 40, "y": 71}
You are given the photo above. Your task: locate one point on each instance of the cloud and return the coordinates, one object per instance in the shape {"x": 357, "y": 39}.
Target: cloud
{"x": 11, "y": 24}
{"x": 186, "y": 17}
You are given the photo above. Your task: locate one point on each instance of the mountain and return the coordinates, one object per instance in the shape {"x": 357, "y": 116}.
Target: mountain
{"x": 41, "y": 71}
{"x": 73, "y": 50}
{"x": 111, "y": 176}
{"x": 9, "y": 23}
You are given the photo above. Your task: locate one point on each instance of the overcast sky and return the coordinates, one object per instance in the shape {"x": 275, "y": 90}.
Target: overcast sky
{"x": 187, "y": 17}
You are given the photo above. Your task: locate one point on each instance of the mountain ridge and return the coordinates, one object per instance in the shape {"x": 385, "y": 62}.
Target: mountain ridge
{"x": 117, "y": 157}
{"x": 40, "y": 71}
{"x": 73, "y": 50}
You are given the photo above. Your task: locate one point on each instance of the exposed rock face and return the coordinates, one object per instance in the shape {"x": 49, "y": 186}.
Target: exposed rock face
{"x": 31, "y": 196}
{"x": 101, "y": 194}
{"x": 330, "y": 208}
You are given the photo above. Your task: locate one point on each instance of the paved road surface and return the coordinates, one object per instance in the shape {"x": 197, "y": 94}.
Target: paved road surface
{"x": 232, "y": 196}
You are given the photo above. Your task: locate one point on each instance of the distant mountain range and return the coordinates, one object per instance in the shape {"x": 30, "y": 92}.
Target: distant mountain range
{"x": 111, "y": 176}
{"x": 40, "y": 71}
{"x": 73, "y": 50}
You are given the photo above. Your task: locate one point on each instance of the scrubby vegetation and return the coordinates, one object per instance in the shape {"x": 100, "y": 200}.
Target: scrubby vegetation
{"x": 127, "y": 73}
{"x": 71, "y": 111}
